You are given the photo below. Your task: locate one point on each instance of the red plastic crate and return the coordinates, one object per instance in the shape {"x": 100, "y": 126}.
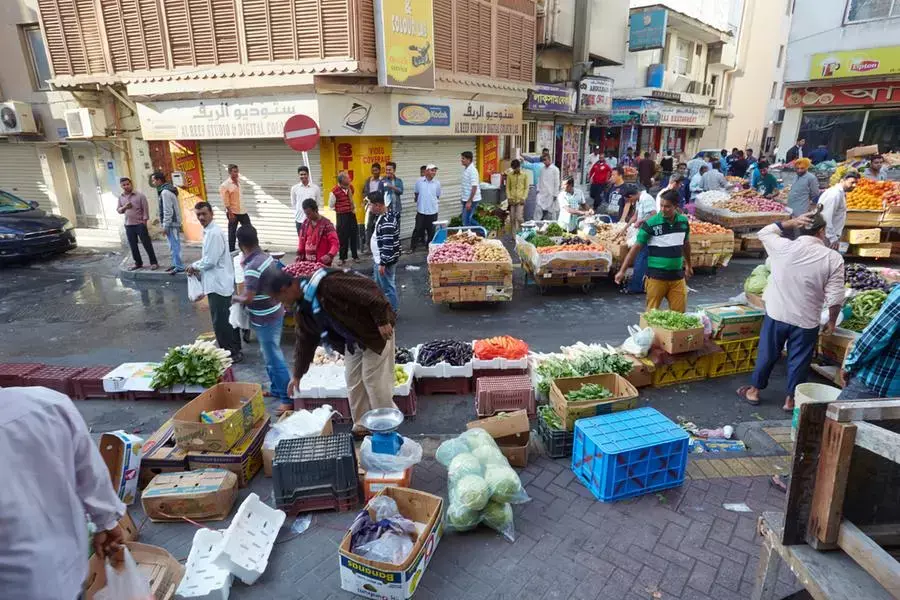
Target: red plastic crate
{"x": 11, "y": 374}
{"x": 227, "y": 376}
{"x": 479, "y": 373}
{"x": 504, "y": 394}
{"x": 427, "y": 386}
{"x": 407, "y": 404}
{"x": 53, "y": 377}
{"x": 89, "y": 383}
{"x": 339, "y": 502}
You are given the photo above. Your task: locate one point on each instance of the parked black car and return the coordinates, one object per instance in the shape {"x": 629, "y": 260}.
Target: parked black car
{"x": 27, "y": 231}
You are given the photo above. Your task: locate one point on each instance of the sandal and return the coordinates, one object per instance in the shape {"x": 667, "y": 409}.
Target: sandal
{"x": 742, "y": 394}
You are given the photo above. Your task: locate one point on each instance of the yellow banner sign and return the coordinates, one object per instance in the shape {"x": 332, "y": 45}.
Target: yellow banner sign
{"x": 405, "y": 35}
{"x": 855, "y": 63}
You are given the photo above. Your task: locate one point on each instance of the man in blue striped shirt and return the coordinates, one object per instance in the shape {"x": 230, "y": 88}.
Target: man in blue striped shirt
{"x": 385, "y": 248}
{"x": 266, "y": 314}
{"x": 872, "y": 368}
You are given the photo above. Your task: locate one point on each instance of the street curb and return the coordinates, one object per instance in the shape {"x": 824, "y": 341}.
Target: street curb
{"x": 146, "y": 274}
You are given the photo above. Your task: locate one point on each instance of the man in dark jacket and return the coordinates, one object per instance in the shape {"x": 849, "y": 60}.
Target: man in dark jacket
{"x": 170, "y": 218}
{"x": 796, "y": 151}
{"x": 385, "y": 247}
{"x": 347, "y": 312}
{"x": 646, "y": 169}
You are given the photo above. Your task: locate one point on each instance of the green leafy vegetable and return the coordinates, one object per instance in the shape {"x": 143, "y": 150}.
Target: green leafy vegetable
{"x": 553, "y": 368}
{"x": 200, "y": 363}
{"x": 550, "y": 417}
{"x": 542, "y": 241}
{"x": 597, "y": 363}
{"x": 864, "y": 307}
{"x": 455, "y": 222}
{"x": 670, "y": 319}
{"x": 589, "y": 391}
{"x": 489, "y": 222}
{"x": 554, "y": 230}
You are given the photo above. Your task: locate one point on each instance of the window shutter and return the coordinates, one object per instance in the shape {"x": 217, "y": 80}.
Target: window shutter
{"x": 308, "y": 29}
{"x": 256, "y": 30}
{"x": 202, "y": 32}
{"x": 51, "y": 17}
{"x": 485, "y": 38}
{"x": 335, "y": 28}
{"x": 504, "y": 49}
{"x": 179, "y": 32}
{"x": 114, "y": 24}
{"x": 366, "y": 28}
{"x": 90, "y": 35}
{"x": 443, "y": 43}
{"x": 464, "y": 21}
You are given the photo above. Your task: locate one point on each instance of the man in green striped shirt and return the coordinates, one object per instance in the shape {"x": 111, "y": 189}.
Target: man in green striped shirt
{"x": 666, "y": 236}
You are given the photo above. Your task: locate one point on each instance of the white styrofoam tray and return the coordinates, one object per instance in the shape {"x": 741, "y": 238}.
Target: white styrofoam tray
{"x": 323, "y": 381}
{"x": 203, "y": 579}
{"x": 248, "y": 541}
{"x": 403, "y": 389}
{"x": 442, "y": 369}
{"x": 498, "y": 363}
{"x": 135, "y": 377}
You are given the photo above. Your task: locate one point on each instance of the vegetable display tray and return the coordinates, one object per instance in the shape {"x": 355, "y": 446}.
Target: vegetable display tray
{"x": 504, "y": 394}
{"x": 627, "y": 454}
{"x": 682, "y": 371}
{"x": 304, "y": 464}
{"x": 53, "y": 377}
{"x": 557, "y": 442}
{"x": 89, "y": 383}
{"x": 11, "y": 374}
{"x": 738, "y": 356}
{"x": 323, "y": 498}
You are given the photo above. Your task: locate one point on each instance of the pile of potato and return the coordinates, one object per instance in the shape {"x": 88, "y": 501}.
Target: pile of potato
{"x": 490, "y": 253}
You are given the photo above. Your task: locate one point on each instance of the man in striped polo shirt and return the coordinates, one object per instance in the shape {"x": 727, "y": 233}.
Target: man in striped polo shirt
{"x": 665, "y": 235}
{"x": 266, "y": 314}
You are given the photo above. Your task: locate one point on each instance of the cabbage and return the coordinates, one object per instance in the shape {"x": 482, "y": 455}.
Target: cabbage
{"x": 471, "y": 492}
{"x": 497, "y": 515}
{"x": 478, "y": 437}
{"x": 461, "y": 518}
{"x": 487, "y": 455}
{"x": 464, "y": 464}
{"x": 756, "y": 283}
{"x": 448, "y": 450}
{"x": 504, "y": 483}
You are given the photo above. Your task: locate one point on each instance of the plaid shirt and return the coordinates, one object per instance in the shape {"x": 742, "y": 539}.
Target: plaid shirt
{"x": 875, "y": 357}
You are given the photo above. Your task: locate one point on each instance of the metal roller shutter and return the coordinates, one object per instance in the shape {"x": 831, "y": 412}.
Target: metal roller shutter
{"x": 410, "y": 153}
{"x": 21, "y": 173}
{"x": 268, "y": 170}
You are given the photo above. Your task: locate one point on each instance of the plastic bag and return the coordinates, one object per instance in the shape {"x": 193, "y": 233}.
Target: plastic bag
{"x": 481, "y": 484}
{"x": 410, "y": 454}
{"x": 239, "y": 316}
{"x": 195, "y": 288}
{"x": 631, "y": 236}
{"x": 389, "y": 548}
{"x": 639, "y": 341}
{"x": 126, "y": 583}
{"x": 302, "y": 423}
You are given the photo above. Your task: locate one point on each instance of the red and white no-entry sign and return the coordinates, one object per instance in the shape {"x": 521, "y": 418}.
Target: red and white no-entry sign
{"x": 301, "y": 133}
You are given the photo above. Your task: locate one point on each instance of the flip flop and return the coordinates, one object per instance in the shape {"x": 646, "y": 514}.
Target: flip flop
{"x": 742, "y": 394}
{"x": 779, "y": 485}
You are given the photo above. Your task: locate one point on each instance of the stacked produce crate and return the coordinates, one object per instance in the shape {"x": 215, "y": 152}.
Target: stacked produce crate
{"x": 735, "y": 329}
{"x": 468, "y": 268}
{"x": 554, "y": 258}
{"x": 315, "y": 473}
{"x": 711, "y": 245}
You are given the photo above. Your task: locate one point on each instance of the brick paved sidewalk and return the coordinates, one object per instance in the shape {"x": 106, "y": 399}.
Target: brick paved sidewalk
{"x": 677, "y": 544}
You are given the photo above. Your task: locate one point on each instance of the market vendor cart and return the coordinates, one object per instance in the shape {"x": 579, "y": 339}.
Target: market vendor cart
{"x": 487, "y": 277}
{"x": 561, "y": 267}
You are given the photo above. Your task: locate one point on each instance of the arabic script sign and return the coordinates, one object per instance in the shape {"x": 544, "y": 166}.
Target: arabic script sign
{"x": 221, "y": 119}
{"x": 856, "y": 94}
{"x": 855, "y": 63}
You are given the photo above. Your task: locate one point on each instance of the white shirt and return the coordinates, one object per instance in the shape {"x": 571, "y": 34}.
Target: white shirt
{"x": 428, "y": 195}
{"x": 696, "y": 183}
{"x": 694, "y": 165}
{"x": 613, "y": 162}
{"x": 469, "y": 179}
{"x": 215, "y": 264}
{"x": 713, "y": 180}
{"x": 834, "y": 209}
{"x": 301, "y": 192}
{"x": 548, "y": 187}
{"x": 592, "y": 159}
{"x": 806, "y": 277}
{"x": 646, "y": 206}
{"x": 373, "y": 244}
{"x": 53, "y": 478}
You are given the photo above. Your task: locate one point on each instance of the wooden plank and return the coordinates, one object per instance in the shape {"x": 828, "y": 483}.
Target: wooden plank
{"x": 766, "y": 573}
{"x": 867, "y": 410}
{"x": 879, "y": 440}
{"x": 883, "y": 535}
{"x": 803, "y": 472}
{"x": 871, "y": 557}
{"x": 831, "y": 481}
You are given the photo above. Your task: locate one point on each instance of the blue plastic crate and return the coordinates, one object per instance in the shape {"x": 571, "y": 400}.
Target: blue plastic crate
{"x": 629, "y": 453}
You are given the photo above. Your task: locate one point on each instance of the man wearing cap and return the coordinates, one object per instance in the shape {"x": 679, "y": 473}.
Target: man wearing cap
{"x": 428, "y": 196}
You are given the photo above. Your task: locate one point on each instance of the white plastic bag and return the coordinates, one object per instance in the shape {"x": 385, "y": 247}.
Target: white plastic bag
{"x": 639, "y": 341}
{"x": 195, "y": 288}
{"x": 631, "y": 236}
{"x": 410, "y": 454}
{"x": 239, "y": 316}
{"x": 126, "y": 583}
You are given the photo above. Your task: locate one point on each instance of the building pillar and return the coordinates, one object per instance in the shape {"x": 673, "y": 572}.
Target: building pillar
{"x": 790, "y": 129}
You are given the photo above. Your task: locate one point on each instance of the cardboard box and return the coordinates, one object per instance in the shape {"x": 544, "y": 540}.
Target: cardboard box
{"x": 872, "y": 250}
{"x": 444, "y": 294}
{"x": 161, "y": 455}
{"x": 193, "y": 435}
{"x": 159, "y": 567}
{"x": 244, "y": 459}
{"x": 641, "y": 372}
{"x": 205, "y": 495}
{"x": 121, "y": 452}
{"x": 624, "y": 398}
{"x": 268, "y": 455}
{"x": 734, "y": 321}
{"x": 130, "y": 530}
{"x": 676, "y": 341}
{"x": 375, "y": 481}
{"x": 862, "y": 236}
{"x": 385, "y": 581}
{"x": 836, "y": 346}
{"x": 512, "y": 433}
{"x": 135, "y": 377}
{"x": 862, "y": 151}
{"x": 472, "y": 293}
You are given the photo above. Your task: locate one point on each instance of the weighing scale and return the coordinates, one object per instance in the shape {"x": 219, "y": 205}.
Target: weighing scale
{"x": 383, "y": 423}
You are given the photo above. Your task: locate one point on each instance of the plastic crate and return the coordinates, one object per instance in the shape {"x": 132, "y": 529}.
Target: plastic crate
{"x": 89, "y": 383}
{"x": 504, "y": 394}
{"x": 427, "y": 386}
{"x": 628, "y": 454}
{"x": 307, "y": 463}
{"x": 681, "y": 371}
{"x": 341, "y": 405}
{"x": 408, "y": 404}
{"x": 323, "y": 498}
{"x": 11, "y": 374}
{"x": 248, "y": 541}
{"x": 557, "y": 442}
{"x": 53, "y": 377}
{"x": 738, "y": 356}
{"x": 479, "y": 373}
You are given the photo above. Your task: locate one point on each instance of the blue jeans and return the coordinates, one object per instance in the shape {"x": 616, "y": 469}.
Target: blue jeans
{"x": 857, "y": 390}
{"x": 636, "y": 283}
{"x": 467, "y": 215}
{"x": 173, "y": 235}
{"x": 800, "y": 346}
{"x": 269, "y": 337}
{"x": 388, "y": 284}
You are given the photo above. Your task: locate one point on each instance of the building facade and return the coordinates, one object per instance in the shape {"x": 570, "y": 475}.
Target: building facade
{"x": 212, "y": 83}
{"x": 842, "y": 76}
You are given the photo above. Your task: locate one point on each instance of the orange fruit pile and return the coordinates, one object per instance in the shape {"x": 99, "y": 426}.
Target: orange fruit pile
{"x": 870, "y": 194}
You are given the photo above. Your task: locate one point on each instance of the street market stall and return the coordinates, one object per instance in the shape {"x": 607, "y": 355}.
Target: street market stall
{"x": 466, "y": 267}
{"x": 554, "y": 258}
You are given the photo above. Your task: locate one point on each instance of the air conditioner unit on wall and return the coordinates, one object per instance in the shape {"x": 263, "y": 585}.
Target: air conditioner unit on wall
{"x": 86, "y": 122}
{"x": 16, "y": 118}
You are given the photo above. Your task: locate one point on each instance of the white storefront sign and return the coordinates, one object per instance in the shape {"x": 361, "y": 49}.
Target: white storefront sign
{"x": 683, "y": 116}
{"x": 595, "y": 95}
{"x": 232, "y": 118}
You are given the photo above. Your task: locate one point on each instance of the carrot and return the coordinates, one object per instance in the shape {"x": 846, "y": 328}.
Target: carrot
{"x": 500, "y": 347}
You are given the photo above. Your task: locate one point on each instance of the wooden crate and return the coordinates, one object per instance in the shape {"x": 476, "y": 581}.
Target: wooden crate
{"x": 863, "y": 218}
{"x": 872, "y": 250}
{"x": 863, "y": 236}
{"x": 891, "y": 217}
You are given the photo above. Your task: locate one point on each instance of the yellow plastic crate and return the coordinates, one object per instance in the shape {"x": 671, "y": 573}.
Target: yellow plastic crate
{"x": 681, "y": 371}
{"x": 737, "y": 356}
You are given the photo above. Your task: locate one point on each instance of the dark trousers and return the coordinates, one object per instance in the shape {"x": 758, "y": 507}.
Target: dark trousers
{"x": 370, "y": 230}
{"x": 423, "y": 231}
{"x": 133, "y": 232}
{"x": 599, "y": 195}
{"x": 239, "y": 219}
{"x": 800, "y": 346}
{"x": 227, "y": 336}
{"x": 347, "y": 235}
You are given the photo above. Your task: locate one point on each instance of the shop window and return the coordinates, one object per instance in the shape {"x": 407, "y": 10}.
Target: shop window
{"x": 838, "y": 131}
{"x": 37, "y": 56}
{"x": 868, "y": 10}
{"x": 883, "y": 128}
{"x": 683, "y": 55}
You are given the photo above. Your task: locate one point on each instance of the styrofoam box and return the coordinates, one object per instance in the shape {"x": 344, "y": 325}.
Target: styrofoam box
{"x": 442, "y": 369}
{"x": 134, "y": 377}
{"x": 323, "y": 381}
{"x": 248, "y": 541}
{"x": 403, "y": 389}
{"x": 499, "y": 363}
{"x": 203, "y": 579}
